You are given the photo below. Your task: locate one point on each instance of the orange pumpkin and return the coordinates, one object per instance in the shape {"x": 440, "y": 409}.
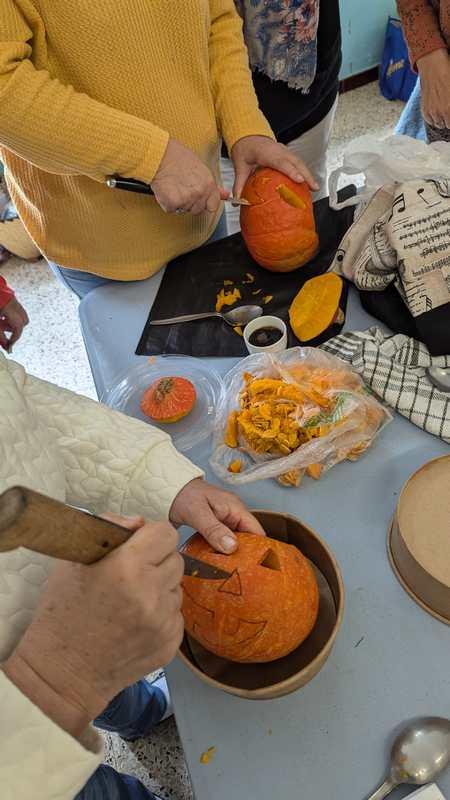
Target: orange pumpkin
{"x": 169, "y": 399}
{"x": 278, "y": 227}
{"x": 263, "y": 611}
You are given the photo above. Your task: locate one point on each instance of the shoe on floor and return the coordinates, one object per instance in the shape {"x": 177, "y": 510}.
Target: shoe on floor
{"x": 161, "y": 684}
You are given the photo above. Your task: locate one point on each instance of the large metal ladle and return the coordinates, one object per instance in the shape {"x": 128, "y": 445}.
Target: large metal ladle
{"x": 419, "y": 753}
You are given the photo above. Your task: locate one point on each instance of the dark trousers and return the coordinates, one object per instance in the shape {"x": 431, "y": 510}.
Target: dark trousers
{"x": 132, "y": 714}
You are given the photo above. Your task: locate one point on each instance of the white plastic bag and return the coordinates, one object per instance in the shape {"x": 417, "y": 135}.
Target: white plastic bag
{"x": 348, "y": 422}
{"x": 375, "y": 163}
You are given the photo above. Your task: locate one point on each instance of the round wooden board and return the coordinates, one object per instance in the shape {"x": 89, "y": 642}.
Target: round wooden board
{"x": 406, "y": 587}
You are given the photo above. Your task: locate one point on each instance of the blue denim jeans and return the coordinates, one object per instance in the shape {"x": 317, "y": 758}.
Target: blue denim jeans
{"x": 81, "y": 283}
{"x": 133, "y": 713}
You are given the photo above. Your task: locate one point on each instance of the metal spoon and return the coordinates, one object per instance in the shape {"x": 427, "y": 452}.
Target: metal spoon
{"x": 419, "y": 753}
{"x": 237, "y": 316}
{"x": 439, "y": 377}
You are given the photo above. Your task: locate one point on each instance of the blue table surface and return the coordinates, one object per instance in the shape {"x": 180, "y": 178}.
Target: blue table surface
{"x": 329, "y": 741}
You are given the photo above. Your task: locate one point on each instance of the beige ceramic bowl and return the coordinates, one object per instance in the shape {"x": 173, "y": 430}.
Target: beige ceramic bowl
{"x": 281, "y": 677}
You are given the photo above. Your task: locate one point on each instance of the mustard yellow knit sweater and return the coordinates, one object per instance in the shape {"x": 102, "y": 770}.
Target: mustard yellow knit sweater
{"x": 89, "y": 88}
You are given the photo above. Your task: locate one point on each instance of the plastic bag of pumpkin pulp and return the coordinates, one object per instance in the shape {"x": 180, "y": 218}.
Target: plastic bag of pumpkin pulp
{"x": 301, "y": 411}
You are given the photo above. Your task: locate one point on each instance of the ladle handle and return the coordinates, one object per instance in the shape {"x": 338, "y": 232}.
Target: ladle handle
{"x": 386, "y": 788}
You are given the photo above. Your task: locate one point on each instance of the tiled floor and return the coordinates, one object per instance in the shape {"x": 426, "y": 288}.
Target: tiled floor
{"x": 52, "y": 348}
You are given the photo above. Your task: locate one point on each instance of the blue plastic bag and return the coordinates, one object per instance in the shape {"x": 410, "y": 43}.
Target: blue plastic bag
{"x": 397, "y": 79}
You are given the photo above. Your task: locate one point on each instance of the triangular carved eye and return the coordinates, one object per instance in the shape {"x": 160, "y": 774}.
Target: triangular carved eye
{"x": 271, "y": 561}
{"x": 232, "y": 585}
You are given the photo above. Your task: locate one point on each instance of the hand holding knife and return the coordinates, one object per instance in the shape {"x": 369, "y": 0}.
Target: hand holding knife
{"x": 39, "y": 523}
{"x": 138, "y": 187}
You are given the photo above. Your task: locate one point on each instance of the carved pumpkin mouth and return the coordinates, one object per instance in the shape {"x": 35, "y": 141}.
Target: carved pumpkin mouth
{"x": 236, "y": 631}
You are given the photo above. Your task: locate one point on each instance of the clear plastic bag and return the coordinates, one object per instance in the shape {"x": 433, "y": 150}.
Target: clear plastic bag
{"x": 378, "y": 162}
{"x": 325, "y": 413}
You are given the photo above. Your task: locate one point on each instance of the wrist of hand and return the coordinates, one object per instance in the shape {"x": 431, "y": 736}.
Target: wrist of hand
{"x": 57, "y": 690}
{"x": 432, "y": 61}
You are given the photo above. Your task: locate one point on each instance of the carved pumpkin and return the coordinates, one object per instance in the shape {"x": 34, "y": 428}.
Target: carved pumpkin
{"x": 316, "y": 306}
{"x": 262, "y": 612}
{"x": 169, "y": 399}
{"x": 278, "y": 227}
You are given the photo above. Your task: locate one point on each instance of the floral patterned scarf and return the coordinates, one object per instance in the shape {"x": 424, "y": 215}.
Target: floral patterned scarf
{"x": 281, "y": 37}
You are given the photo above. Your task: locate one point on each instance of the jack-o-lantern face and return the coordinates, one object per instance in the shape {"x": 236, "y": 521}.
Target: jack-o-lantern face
{"x": 263, "y": 611}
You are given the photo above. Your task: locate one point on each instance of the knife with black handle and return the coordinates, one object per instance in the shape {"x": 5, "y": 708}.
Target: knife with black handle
{"x": 39, "y": 523}
{"x": 138, "y": 187}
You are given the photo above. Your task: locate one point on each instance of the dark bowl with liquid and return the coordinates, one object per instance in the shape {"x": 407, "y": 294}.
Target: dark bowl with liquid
{"x": 264, "y": 337}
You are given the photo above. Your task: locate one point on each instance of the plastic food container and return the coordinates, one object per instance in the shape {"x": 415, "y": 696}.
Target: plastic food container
{"x": 286, "y": 675}
{"x": 126, "y": 392}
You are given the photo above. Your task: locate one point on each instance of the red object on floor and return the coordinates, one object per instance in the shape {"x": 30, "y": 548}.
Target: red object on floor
{"x": 6, "y": 293}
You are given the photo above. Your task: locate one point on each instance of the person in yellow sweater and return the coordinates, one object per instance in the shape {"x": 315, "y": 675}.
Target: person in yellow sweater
{"x": 145, "y": 90}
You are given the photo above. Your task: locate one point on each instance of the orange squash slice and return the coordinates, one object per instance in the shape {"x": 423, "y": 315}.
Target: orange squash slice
{"x": 316, "y": 306}
{"x": 169, "y": 399}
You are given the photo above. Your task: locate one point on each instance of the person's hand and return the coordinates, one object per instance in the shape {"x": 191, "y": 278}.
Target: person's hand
{"x": 184, "y": 183}
{"x": 213, "y": 513}
{"x": 434, "y": 70}
{"x": 260, "y": 151}
{"x": 100, "y": 628}
{"x": 13, "y": 319}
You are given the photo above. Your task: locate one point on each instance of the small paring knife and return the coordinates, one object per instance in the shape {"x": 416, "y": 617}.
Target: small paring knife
{"x": 39, "y": 523}
{"x": 138, "y": 187}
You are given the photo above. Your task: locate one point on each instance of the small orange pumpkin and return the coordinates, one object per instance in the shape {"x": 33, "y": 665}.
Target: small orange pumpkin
{"x": 316, "y": 306}
{"x": 278, "y": 227}
{"x": 169, "y": 399}
{"x": 262, "y": 612}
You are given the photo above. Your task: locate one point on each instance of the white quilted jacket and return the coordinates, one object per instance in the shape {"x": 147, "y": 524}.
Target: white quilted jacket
{"x": 76, "y": 450}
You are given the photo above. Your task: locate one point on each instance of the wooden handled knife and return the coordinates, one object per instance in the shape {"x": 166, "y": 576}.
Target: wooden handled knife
{"x": 39, "y": 523}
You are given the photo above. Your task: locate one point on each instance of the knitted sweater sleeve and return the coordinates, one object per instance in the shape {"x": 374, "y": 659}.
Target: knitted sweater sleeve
{"x": 56, "y": 128}
{"x": 421, "y": 26}
{"x": 235, "y": 99}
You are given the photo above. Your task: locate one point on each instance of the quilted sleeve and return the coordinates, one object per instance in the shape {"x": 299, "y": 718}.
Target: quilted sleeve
{"x": 37, "y": 758}
{"x": 111, "y": 462}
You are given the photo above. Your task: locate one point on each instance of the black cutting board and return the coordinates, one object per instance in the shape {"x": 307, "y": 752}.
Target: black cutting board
{"x": 191, "y": 283}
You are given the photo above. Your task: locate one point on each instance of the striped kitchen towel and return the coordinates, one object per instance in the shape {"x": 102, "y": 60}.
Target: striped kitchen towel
{"x": 393, "y": 367}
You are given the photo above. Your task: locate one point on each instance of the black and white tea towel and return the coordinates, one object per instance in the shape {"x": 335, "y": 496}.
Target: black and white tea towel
{"x": 394, "y": 368}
